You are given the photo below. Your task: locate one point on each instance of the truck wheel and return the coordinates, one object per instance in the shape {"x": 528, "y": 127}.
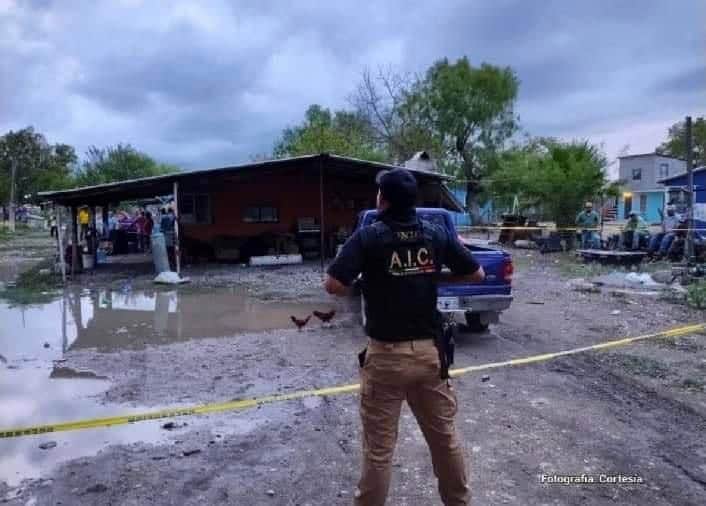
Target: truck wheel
{"x": 474, "y": 323}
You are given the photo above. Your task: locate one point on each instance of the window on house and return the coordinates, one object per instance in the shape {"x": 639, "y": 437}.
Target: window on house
{"x": 663, "y": 170}
{"x": 261, "y": 214}
{"x": 636, "y": 174}
{"x": 195, "y": 208}
{"x": 643, "y": 204}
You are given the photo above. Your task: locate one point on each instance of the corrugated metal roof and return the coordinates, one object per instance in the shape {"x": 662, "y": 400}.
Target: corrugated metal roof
{"x": 653, "y": 153}
{"x": 141, "y": 186}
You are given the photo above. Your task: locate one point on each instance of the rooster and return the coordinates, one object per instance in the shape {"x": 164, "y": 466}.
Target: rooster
{"x": 325, "y": 317}
{"x": 300, "y": 323}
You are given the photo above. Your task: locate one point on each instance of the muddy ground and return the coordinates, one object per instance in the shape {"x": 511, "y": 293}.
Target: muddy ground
{"x": 24, "y": 250}
{"x": 636, "y": 411}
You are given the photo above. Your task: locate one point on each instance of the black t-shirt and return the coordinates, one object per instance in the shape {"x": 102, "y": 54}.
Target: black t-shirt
{"x": 401, "y": 301}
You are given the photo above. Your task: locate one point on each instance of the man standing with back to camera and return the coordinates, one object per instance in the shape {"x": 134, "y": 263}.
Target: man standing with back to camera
{"x": 400, "y": 258}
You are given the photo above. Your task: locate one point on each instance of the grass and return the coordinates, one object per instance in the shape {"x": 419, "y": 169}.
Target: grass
{"x": 576, "y": 269}
{"x": 571, "y": 266}
{"x": 641, "y": 366}
{"x": 33, "y": 286}
{"x": 696, "y": 295}
{"x": 679, "y": 343}
{"x": 4, "y": 247}
{"x": 21, "y": 232}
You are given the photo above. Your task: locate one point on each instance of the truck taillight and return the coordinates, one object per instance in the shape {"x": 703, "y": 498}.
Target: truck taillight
{"x": 508, "y": 269}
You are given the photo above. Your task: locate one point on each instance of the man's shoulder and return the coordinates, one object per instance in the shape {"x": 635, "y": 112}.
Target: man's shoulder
{"x": 438, "y": 234}
{"x": 433, "y": 227}
{"x": 367, "y": 235}
{"x": 371, "y": 229}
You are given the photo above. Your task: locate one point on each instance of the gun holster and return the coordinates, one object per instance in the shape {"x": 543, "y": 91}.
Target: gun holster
{"x": 446, "y": 346}
{"x": 361, "y": 357}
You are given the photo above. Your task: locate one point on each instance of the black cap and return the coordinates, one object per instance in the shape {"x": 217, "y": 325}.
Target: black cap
{"x": 398, "y": 187}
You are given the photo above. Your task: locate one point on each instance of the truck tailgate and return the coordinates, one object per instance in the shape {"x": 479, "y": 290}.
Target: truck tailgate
{"x": 497, "y": 265}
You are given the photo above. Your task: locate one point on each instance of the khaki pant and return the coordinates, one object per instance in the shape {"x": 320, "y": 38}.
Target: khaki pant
{"x": 391, "y": 374}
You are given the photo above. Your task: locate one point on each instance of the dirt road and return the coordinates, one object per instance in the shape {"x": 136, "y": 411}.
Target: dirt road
{"x": 639, "y": 412}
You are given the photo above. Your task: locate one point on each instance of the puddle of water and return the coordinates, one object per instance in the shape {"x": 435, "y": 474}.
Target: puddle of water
{"x": 30, "y": 396}
{"x": 36, "y": 388}
{"x": 115, "y": 319}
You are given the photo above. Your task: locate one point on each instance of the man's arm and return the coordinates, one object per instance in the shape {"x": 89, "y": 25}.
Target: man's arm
{"x": 476, "y": 277}
{"x": 459, "y": 259}
{"x": 345, "y": 267}
{"x": 335, "y": 287}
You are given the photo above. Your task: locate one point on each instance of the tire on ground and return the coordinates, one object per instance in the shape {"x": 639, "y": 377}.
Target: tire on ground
{"x": 474, "y": 323}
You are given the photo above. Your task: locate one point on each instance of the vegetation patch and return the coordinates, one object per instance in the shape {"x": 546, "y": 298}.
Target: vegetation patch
{"x": 37, "y": 285}
{"x": 696, "y": 295}
{"x": 571, "y": 267}
{"x": 679, "y": 343}
{"x": 641, "y": 366}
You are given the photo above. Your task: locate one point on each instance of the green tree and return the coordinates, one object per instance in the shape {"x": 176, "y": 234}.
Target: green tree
{"x": 342, "y": 133}
{"x": 29, "y": 164}
{"x": 556, "y": 176}
{"x": 471, "y": 111}
{"x": 57, "y": 167}
{"x": 675, "y": 145}
{"x": 461, "y": 114}
{"x": 118, "y": 163}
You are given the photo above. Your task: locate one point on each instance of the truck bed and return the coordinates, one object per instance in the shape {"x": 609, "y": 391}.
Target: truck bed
{"x": 476, "y": 303}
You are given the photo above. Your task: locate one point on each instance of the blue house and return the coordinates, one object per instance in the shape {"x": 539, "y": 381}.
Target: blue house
{"x": 464, "y": 219}
{"x": 642, "y": 191}
{"x": 676, "y": 191}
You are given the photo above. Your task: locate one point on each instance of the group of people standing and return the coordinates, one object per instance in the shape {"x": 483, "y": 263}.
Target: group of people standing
{"x": 635, "y": 234}
{"x": 141, "y": 224}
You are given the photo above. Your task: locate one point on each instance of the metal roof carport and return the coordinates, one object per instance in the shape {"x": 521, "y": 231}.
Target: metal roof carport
{"x": 324, "y": 165}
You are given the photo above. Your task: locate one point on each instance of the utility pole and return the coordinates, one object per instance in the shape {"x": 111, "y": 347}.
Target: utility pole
{"x": 13, "y": 206}
{"x": 689, "y": 246}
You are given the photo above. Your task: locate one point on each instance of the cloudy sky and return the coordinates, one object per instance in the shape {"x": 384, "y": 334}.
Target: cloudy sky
{"x": 213, "y": 83}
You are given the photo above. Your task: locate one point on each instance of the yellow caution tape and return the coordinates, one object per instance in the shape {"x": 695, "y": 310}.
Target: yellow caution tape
{"x": 680, "y": 331}
{"x": 237, "y": 405}
{"x": 553, "y": 228}
{"x": 545, "y": 227}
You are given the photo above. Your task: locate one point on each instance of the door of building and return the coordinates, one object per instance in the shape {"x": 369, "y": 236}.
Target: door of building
{"x": 628, "y": 206}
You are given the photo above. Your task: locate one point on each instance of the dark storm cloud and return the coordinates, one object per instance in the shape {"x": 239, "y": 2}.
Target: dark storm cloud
{"x": 688, "y": 81}
{"x": 213, "y": 83}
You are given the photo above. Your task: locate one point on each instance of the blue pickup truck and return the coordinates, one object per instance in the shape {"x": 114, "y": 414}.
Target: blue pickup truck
{"x": 474, "y": 304}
